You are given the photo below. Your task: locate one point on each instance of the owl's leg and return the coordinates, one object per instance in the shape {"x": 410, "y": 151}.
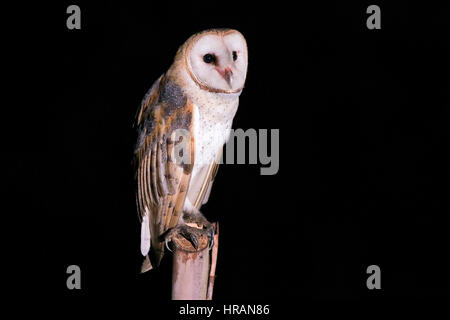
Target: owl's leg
{"x": 193, "y": 226}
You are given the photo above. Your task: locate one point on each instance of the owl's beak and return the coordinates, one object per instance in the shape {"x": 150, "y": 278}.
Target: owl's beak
{"x": 227, "y": 74}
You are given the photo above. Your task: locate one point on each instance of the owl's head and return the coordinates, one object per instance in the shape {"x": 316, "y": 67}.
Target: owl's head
{"x": 216, "y": 60}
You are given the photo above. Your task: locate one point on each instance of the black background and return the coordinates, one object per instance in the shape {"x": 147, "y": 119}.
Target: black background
{"x": 364, "y": 126}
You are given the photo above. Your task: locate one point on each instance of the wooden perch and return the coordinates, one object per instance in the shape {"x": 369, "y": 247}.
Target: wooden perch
{"x": 193, "y": 271}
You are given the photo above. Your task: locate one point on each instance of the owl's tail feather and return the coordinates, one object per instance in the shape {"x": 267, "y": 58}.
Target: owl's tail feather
{"x": 146, "y": 265}
{"x": 145, "y": 243}
{"x": 153, "y": 258}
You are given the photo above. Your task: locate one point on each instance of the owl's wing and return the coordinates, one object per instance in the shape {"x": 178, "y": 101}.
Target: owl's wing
{"x": 200, "y": 187}
{"x": 162, "y": 178}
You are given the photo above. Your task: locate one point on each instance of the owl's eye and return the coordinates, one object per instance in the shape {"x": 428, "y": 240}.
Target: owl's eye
{"x": 209, "y": 58}
{"x": 234, "y": 55}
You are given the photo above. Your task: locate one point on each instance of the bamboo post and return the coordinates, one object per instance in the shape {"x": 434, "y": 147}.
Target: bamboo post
{"x": 191, "y": 273}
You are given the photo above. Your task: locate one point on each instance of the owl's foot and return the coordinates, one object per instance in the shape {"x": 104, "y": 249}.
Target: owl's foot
{"x": 197, "y": 219}
{"x": 196, "y": 230}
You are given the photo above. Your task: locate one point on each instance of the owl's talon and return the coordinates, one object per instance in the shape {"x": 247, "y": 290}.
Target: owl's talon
{"x": 193, "y": 239}
{"x": 167, "y": 244}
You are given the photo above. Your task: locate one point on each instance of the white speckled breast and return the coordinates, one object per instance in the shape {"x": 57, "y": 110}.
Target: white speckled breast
{"x": 212, "y": 124}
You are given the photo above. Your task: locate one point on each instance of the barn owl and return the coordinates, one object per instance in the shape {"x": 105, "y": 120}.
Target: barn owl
{"x": 198, "y": 95}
